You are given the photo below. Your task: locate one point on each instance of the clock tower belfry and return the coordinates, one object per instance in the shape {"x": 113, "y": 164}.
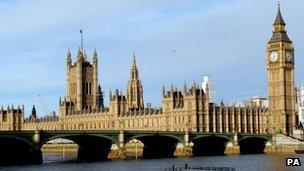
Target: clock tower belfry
{"x": 281, "y": 86}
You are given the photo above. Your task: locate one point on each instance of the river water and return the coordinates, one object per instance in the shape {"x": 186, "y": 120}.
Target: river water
{"x": 256, "y": 162}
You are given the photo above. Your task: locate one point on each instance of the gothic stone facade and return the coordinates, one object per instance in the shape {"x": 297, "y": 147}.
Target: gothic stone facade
{"x": 182, "y": 110}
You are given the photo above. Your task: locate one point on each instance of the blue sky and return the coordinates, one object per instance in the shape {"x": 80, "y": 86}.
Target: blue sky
{"x": 174, "y": 41}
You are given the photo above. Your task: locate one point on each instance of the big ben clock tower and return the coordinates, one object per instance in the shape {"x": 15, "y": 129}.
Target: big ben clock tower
{"x": 280, "y": 69}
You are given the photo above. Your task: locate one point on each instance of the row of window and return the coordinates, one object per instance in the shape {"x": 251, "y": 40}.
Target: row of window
{"x": 255, "y": 123}
{"x": 86, "y": 88}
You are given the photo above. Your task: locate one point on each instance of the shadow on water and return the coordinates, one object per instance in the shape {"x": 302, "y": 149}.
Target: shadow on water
{"x": 15, "y": 151}
{"x": 239, "y": 162}
{"x": 209, "y": 146}
{"x": 252, "y": 146}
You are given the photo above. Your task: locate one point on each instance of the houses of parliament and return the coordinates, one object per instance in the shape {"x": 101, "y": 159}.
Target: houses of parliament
{"x": 184, "y": 109}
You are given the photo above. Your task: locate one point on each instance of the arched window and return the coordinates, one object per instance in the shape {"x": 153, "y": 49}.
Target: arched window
{"x": 133, "y": 94}
{"x": 83, "y": 88}
{"x": 87, "y": 88}
{"x": 90, "y": 88}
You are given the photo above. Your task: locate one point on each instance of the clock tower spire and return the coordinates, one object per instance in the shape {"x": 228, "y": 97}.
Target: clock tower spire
{"x": 280, "y": 71}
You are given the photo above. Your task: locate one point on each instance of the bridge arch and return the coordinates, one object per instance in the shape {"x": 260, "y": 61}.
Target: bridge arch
{"x": 157, "y": 145}
{"x": 179, "y": 139}
{"x": 204, "y": 136}
{"x": 24, "y": 140}
{"x": 134, "y": 149}
{"x": 18, "y": 150}
{"x": 62, "y": 147}
{"x": 91, "y": 147}
{"x": 73, "y": 137}
{"x": 252, "y": 144}
{"x": 206, "y": 145}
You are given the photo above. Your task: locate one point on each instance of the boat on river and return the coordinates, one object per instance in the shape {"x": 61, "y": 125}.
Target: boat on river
{"x": 300, "y": 149}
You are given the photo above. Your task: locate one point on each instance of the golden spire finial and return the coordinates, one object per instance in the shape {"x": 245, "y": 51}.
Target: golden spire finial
{"x": 134, "y": 59}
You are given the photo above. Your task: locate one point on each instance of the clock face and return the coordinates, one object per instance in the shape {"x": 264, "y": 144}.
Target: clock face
{"x": 289, "y": 56}
{"x": 274, "y": 56}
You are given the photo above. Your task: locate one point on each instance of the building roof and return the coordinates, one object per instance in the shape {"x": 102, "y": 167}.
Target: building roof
{"x": 279, "y": 19}
{"x": 279, "y": 35}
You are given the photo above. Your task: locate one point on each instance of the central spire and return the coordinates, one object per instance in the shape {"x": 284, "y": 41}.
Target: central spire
{"x": 135, "y": 88}
{"x": 134, "y": 61}
{"x": 134, "y": 71}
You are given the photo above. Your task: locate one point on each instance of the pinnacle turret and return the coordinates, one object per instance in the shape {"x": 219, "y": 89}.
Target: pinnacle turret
{"x": 79, "y": 54}
{"x": 94, "y": 54}
{"x": 69, "y": 56}
{"x": 185, "y": 87}
{"x": 69, "y": 53}
{"x": 33, "y": 114}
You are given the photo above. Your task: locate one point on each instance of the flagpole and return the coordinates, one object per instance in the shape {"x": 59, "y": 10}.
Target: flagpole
{"x": 81, "y": 33}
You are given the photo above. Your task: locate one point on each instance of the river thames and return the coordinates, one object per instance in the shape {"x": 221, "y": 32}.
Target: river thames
{"x": 252, "y": 162}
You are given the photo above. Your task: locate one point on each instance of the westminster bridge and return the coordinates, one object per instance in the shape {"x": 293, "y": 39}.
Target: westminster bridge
{"x": 25, "y": 146}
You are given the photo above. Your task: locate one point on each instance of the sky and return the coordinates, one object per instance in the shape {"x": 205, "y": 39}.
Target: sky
{"x": 174, "y": 41}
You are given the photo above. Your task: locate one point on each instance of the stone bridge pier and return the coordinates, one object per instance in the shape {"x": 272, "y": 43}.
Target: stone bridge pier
{"x": 121, "y": 145}
{"x": 36, "y": 156}
{"x": 187, "y": 148}
{"x": 232, "y": 146}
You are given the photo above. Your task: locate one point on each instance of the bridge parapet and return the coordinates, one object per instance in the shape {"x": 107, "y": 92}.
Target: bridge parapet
{"x": 195, "y": 135}
{"x": 267, "y": 137}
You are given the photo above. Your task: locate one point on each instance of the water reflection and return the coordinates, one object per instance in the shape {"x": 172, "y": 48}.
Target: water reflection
{"x": 239, "y": 162}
